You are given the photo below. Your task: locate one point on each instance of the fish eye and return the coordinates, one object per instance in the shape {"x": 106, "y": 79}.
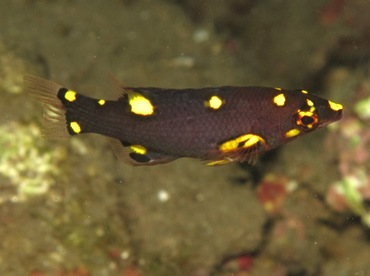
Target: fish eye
{"x": 306, "y": 119}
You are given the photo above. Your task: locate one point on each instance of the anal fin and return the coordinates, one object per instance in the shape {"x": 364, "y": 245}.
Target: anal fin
{"x": 138, "y": 155}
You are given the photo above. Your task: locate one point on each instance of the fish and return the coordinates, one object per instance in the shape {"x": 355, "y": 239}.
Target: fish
{"x": 219, "y": 125}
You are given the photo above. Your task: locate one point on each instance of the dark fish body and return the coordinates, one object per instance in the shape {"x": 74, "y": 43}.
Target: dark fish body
{"x": 148, "y": 126}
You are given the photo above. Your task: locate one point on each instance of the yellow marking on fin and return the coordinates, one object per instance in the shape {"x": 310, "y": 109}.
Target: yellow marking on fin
{"x": 309, "y": 102}
{"x": 70, "y": 95}
{"x": 291, "y": 133}
{"x": 280, "y": 99}
{"x": 138, "y": 149}
{"x": 335, "y": 106}
{"x": 139, "y": 104}
{"x": 101, "y": 102}
{"x": 75, "y": 127}
{"x": 244, "y": 141}
{"x": 219, "y": 162}
{"x": 304, "y": 91}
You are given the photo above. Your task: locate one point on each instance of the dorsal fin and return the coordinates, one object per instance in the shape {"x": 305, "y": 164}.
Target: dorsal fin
{"x": 117, "y": 88}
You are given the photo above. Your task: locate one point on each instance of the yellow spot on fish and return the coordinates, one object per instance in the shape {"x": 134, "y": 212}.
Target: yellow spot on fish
{"x": 101, "y": 102}
{"x": 278, "y": 89}
{"x": 244, "y": 141}
{"x": 335, "y": 106}
{"x": 305, "y": 113}
{"x": 214, "y": 102}
{"x": 291, "y": 133}
{"x": 139, "y": 104}
{"x": 70, "y": 96}
{"x": 138, "y": 149}
{"x": 304, "y": 91}
{"x": 279, "y": 100}
{"x": 309, "y": 102}
{"x": 75, "y": 127}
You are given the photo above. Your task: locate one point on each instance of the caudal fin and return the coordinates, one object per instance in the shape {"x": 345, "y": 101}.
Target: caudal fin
{"x": 54, "y": 118}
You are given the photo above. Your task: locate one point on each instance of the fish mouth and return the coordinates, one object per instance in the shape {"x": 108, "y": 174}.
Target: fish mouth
{"x": 338, "y": 115}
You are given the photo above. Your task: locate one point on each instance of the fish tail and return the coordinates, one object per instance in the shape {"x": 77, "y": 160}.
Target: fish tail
{"x": 54, "y": 113}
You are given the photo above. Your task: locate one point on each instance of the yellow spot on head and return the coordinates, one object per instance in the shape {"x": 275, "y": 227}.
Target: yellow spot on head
{"x": 279, "y": 100}
{"x": 75, "y": 127}
{"x": 304, "y": 91}
{"x": 309, "y": 102}
{"x": 138, "y": 149}
{"x": 101, "y": 102}
{"x": 292, "y": 133}
{"x": 308, "y": 113}
{"x": 335, "y": 106}
{"x": 70, "y": 96}
{"x": 244, "y": 141}
{"x": 214, "y": 102}
{"x": 278, "y": 89}
{"x": 139, "y": 104}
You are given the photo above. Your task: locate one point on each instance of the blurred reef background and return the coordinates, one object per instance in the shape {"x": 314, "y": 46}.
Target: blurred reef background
{"x": 70, "y": 208}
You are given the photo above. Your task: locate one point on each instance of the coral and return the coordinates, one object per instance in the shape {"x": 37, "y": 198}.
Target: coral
{"x": 272, "y": 191}
{"x": 351, "y": 140}
{"x": 26, "y": 162}
{"x": 11, "y": 68}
